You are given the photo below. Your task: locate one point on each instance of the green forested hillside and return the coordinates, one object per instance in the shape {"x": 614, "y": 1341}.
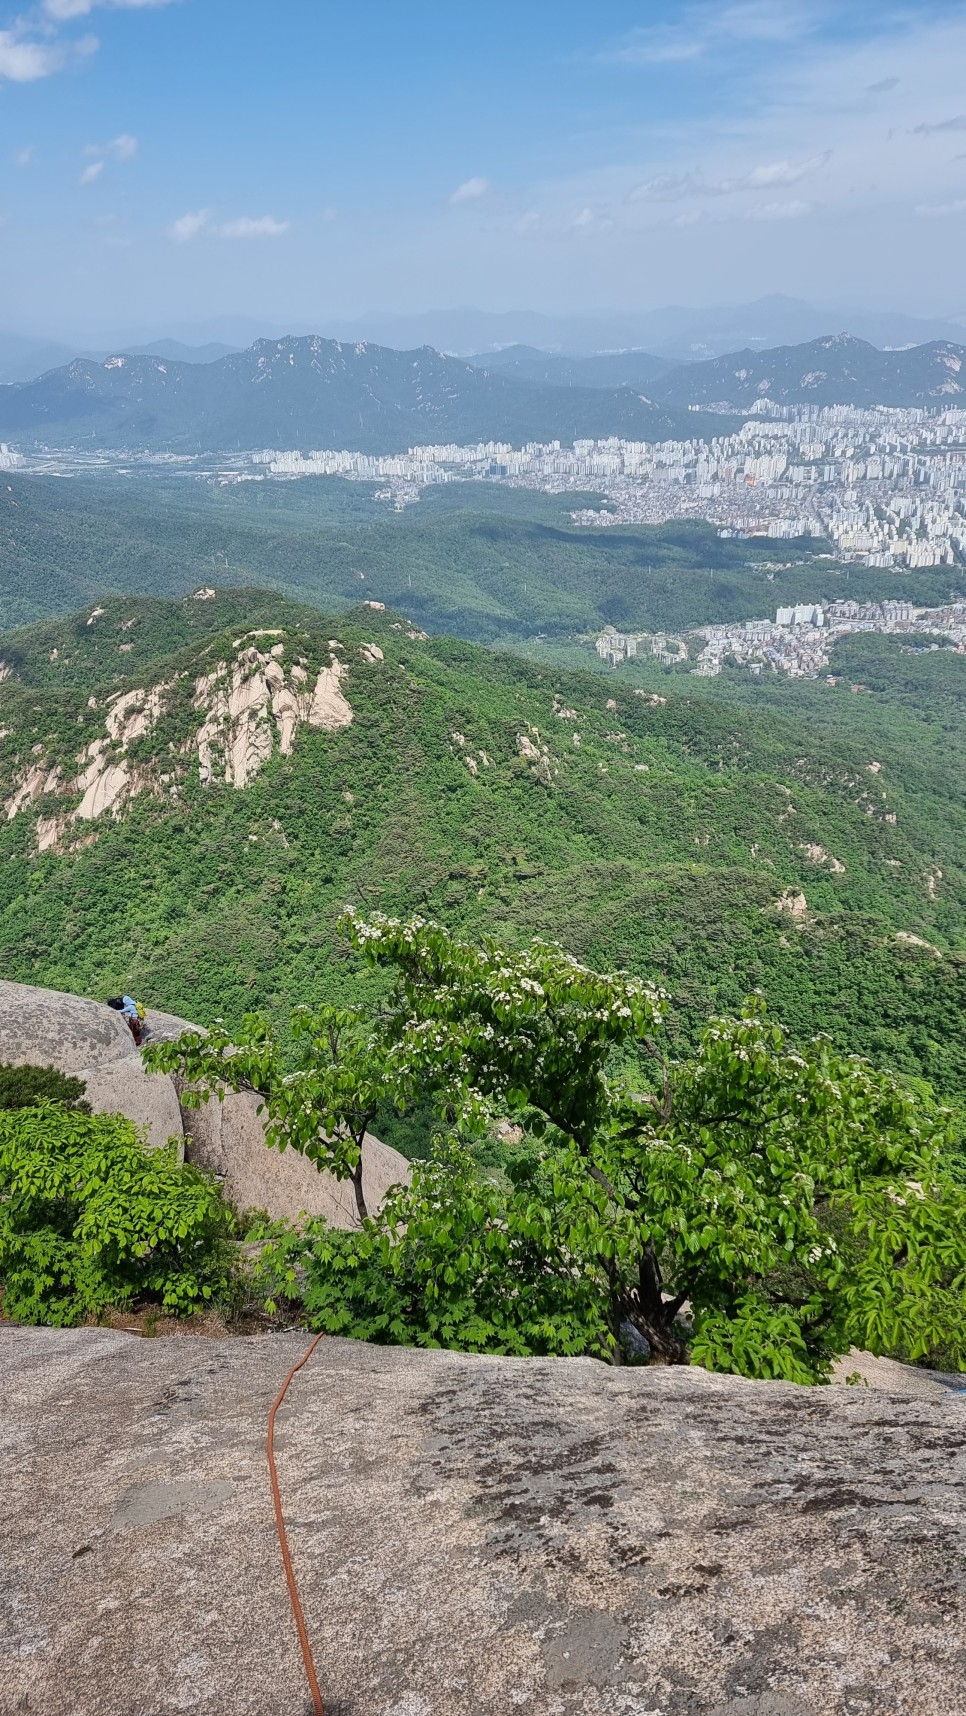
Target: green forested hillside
{"x": 674, "y": 838}
{"x": 484, "y": 562}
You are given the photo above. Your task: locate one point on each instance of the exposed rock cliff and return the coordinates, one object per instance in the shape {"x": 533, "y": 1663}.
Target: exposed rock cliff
{"x": 244, "y": 708}
{"x": 42, "y": 1026}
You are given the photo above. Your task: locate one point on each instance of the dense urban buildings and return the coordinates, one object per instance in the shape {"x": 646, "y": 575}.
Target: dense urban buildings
{"x": 797, "y": 642}
{"x": 885, "y": 487}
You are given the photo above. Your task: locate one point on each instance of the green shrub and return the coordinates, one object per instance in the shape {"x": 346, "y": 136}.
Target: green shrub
{"x": 797, "y": 1201}
{"x": 24, "y": 1087}
{"x": 90, "y": 1219}
{"x": 453, "y": 1260}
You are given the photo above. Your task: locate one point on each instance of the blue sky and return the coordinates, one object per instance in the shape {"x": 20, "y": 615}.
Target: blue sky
{"x": 166, "y": 163}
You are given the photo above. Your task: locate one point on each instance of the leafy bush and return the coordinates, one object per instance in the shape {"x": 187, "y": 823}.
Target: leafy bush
{"x": 90, "y": 1218}
{"x": 453, "y": 1260}
{"x": 23, "y": 1087}
{"x": 794, "y": 1202}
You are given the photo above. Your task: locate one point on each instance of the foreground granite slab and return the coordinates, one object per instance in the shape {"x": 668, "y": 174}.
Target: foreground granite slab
{"x": 472, "y": 1536}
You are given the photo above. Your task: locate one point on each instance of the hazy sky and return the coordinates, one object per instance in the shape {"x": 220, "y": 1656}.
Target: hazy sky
{"x": 166, "y": 162}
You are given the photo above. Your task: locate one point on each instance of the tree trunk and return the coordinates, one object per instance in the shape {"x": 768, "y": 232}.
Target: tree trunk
{"x": 654, "y": 1318}
{"x": 357, "y": 1188}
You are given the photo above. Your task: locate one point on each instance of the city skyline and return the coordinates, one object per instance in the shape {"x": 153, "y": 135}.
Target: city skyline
{"x": 189, "y": 159}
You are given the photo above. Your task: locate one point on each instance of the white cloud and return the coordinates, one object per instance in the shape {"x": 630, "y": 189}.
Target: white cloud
{"x": 779, "y": 211}
{"x": 956, "y": 207}
{"x": 704, "y": 28}
{"x": 764, "y": 21}
{"x": 821, "y": 143}
{"x": 676, "y": 187}
{"x": 25, "y": 62}
{"x": 62, "y": 11}
{"x": 470, "y": 190}
{"x": 591, "y": 220}
{"x": 188, "y": 226}
{"x": 791, "y": 210}
{"x": 24, "y": 157}
{"x": 667, "y": 188}
{"x": 654, "y": 45}
{"x": 122, "y": 148}
{"x": 254, "y": 226}
{"x": 781, "y": 173}
{"x": 30, "y": 49}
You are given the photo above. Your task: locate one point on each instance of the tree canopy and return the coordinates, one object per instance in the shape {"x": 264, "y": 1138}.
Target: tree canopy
{"x": 756, "y": 1208}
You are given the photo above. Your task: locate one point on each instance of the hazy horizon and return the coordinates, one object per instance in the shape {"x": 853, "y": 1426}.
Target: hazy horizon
{"x": 173, "y": 163}
{"x": 243, "y": 328}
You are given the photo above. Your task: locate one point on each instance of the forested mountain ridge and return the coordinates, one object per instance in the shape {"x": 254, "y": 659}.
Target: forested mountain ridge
{"x": 484, "y": 562}
{"x": 212, "y": 780}
{"x": 308, "y": 392}
{"x": 835, "y": 370}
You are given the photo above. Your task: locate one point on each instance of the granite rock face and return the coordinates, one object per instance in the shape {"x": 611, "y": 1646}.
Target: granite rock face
{"x": 472, "y": 1536}
{"x": 88, "y": 1040}
{"x": 228, "y": 1139}
{"x": 82, "y": 1037}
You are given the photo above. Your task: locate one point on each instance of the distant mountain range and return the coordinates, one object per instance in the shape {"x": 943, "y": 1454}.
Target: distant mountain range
{"x": 306, "y": 392}
{"x": 836, "y": 370}
{"x": 676, "y": 332}
{"x": 24, "y": 360}
{"x": 309, "y": 392}
{"x": 552, "y": 369}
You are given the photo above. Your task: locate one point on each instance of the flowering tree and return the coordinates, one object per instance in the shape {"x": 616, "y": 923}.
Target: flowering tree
{"x": 322, "y": 1105}
{"x": 756, "y": 1209}
{"x": 790, "y": 1203}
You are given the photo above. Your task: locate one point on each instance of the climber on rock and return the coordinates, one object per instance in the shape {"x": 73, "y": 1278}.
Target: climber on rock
{"x": 133, "y": 1012}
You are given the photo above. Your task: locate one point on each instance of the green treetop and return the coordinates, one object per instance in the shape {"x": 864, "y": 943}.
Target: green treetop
{"x": 754, "y": 1209}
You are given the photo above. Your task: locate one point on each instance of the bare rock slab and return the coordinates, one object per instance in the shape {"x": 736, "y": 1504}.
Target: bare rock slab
{"x": 86, "y": 1038}
{"x": 472, "y": 1536}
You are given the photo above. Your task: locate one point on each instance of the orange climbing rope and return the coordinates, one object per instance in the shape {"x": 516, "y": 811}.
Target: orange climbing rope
{"x": 293, "y": 1589}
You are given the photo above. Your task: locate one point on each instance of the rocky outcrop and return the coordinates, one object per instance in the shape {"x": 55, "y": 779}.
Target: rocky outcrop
{"x": 252, "y": 703}
{"x": 85, "y": 1038}
{"x": 471, "y": 1536}
{"x": 793, "y": 902}
{"x": 247, "y": 707}
{"x": 42, "y": 1027}
{"x": 536, "y": 753}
